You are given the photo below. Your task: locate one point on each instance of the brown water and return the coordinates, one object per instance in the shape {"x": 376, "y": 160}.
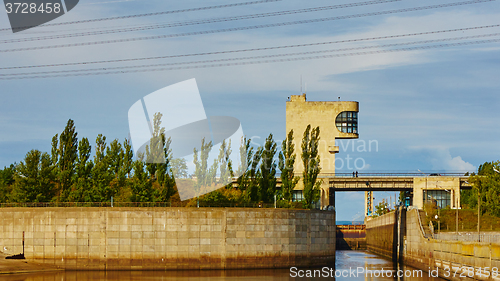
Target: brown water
{"x": 350, "y": 264}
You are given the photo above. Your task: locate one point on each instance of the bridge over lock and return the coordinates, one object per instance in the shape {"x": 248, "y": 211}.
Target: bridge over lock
{"x": 441, "y": 188}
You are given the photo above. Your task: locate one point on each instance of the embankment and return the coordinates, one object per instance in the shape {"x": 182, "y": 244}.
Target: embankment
{"x": 169, "y": 238}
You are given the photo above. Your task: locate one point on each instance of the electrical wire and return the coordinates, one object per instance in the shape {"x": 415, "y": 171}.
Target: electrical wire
{"x": 255, "y": 49}
{"x": 197, "y": 22}
{"x": 247, "y": 27}
{"x": 149, "y": 14}
{"x": 259, "y": 62}
{"x": 256, "y": 57}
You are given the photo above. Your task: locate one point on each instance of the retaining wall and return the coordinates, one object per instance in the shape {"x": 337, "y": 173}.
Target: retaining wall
{"x": 453, "y": 260}
{"x": 169, "y": 238}
{"x": 380, "y": 234}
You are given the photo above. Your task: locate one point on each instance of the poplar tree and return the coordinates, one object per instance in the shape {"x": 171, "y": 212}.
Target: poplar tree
{"x": 267, "y": 186}
{"x": 155, "y": 154}
{"x": 246, "y": 157}
{"x": 286, "y": 165}
{"x": 82, "y": 191}
{"x": 226, "y": 168}
{"x": 142, "y": 186}
{"x": 255, "y": 176}
{"x": 36, "y": 178}
{"x": 202, "y": 172}
{"x": 68, "y": 154}
{"x": 127, "y": 158}
{"x": 311, "y": 160}
{"x": 165, "y": 178}
{"x": 115, "y": 155}
{"x": 101, "y": 176}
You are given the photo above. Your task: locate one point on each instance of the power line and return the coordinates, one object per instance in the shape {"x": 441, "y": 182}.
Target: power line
{"x": 256, "y": 57}
{"x": 256, "y": 49}
{"x": 247, "y": 27}
{"x": 261, "y": 61}
{"x": 151, "y": 14}
{"x": 198, "y": 22}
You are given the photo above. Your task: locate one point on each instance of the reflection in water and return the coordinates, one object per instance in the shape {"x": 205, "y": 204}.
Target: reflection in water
{"x": 350, "y": 265}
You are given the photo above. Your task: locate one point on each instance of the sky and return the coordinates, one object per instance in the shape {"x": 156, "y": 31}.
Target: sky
{"x": 428, "y": 91}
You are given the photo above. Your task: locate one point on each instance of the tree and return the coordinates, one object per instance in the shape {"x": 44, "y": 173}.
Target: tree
{"x": 255, "y": 176}
{"x": 201, "y": 171}
{"x": 142, "y": 187}
{"x": 179, "y": 168}
{"x": 267, "y": 187}
{"x": 115, "y": 155}
{"x": 165, "y": 178}
{"x": 155, "y": 154}
{"x": 381, "y": 208}
{"x": 82, "y": 191}
{"x": 127, "y": 158}
{"x": 102, "y": 190}
{"x": 68, "y": 153}
{"x": 6, "y": 181}
{"x": 246, "y": 157}
{"x": 286, "y": 165}
{"x": 311, "y": 160}
{"x": 486, "y": 187}
{"x": 226, "y": 166}
{"x": 35, "y": 181}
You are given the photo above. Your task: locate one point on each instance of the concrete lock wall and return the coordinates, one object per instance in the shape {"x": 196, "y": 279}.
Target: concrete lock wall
{"x": 380, "y": 234}
{"x": 169, "y": 238}
{"x": 452, "y": 260}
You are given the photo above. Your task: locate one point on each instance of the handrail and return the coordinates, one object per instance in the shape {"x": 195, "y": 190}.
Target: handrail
{"x": 420, "y": 224}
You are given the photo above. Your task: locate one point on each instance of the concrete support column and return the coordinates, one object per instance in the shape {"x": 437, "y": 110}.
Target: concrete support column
{"x": 331, "y": 196}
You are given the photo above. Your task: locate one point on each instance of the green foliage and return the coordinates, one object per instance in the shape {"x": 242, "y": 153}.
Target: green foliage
{"x": 141, "y": 185}
{"x": 311, "y": 160}
{"x": 35, "y": 180}
{"x": 286, "y": 165}
{"x": 68, "y": 153}
{"x": 267, "y": 186}
{"x": 101, "y": 174}
{"x": 222, "y": 197}
{"x": 6, "y": 181}
{"x": 226, "y": 166}
{"x": 486, "y": 186}
{"x": 179, "y": 168}
{"x": 246, "y": 157}
{"x": 255, "y": 176}
{"x": 82, "y": 190}
{"x": 204, "y": 176}
{"x": 467, "y": 220}
{"x": 381, "y": 208}
{"x": 128, "y": 156}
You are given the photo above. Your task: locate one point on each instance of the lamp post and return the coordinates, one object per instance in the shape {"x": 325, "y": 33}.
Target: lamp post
{"x": 456, "y": 207}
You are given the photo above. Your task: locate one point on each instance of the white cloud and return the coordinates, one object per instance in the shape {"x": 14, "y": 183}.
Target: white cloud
{"x": 444, "y": 161}
{"x": 439, "y": 158}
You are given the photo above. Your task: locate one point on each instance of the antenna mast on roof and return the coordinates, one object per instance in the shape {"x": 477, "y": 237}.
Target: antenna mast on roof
{"x": 301, "y": 84}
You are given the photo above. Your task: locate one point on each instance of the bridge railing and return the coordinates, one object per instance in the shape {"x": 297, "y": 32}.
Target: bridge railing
{"x": 469, "y": 237}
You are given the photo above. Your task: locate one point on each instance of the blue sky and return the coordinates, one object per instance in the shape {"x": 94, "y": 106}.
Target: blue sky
{"x": 428, "y": 109}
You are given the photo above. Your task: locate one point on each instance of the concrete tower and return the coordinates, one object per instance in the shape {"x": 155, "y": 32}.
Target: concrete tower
{"x": 336, "y": 120}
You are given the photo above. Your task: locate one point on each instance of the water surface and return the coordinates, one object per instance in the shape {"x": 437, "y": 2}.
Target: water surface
{"x": 349, "y": 265}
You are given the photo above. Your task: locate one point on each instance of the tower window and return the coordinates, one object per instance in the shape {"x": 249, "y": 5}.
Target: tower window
{"x": 347, "y": 122}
